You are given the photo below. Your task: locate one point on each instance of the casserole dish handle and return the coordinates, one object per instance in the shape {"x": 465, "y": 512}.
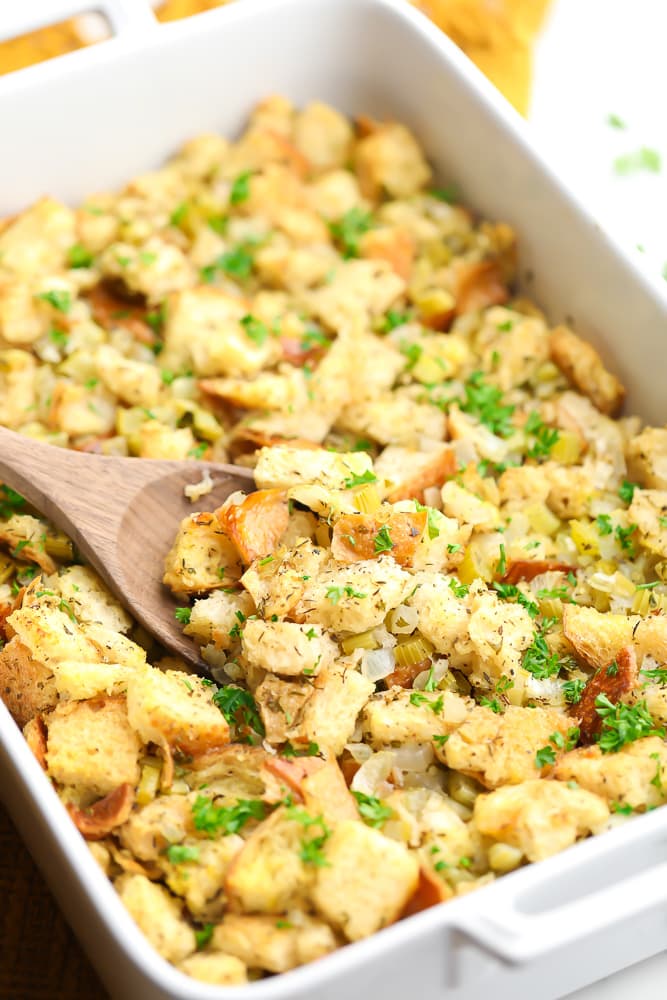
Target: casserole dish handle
{"x": 124, "y": 16}
{"x": 584, "y": 894}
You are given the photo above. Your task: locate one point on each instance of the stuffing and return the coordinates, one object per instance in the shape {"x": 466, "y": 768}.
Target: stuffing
{"x": 583, "y": 366}
{"x": 158, "y": 916}
{"x": 175, "y": 709}
{"x": 92, "y": 746}
{"x": 356, "y": 597}
{"x": 648, "y": 511}
{"x": 541, "y": 818}
{"x": 632, "y": 776}
{"x": 287, "y": 648}
{"x": 397, "y": 716}
{"x": 500, "y": 749}
{"x": 27, "y": 686}
{"x": 436, "y": 623}
{"x": 390, "y": 159}
{"x": 646, "y": 457}
{"x": 366, "y": 881}
{"x": 276, "y": 945}
{"x": 283, "y": 466}
{"x": 203, "y": 557}
{"x": 215, "y": 968}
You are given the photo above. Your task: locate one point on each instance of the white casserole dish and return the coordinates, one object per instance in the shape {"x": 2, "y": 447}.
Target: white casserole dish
{"x": 95, "y": 118}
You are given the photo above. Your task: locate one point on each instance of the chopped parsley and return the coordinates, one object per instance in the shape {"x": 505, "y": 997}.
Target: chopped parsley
{"x": 491, "y": 703}
{"x": 449, "y": 193}
{"x": 659, "y": 674}
{"x": 391, "y": 320}
{"x": 212, "y": 820}
{"x": 179, "y": 213}
{"x": 255, "y": 329}
{"x": 372, "y": 810}
{"x": 544, "y": 756}
{"x": 310, "y": 750}
{"x": 573, "y": 690}
{"x": 603, "y": 524}
{"x": 656, "y": 780}
{"x": 334, "y": 594}
{"x": 240, "y": 190}
{"x": 311, "y": 852}
{"x": 182, "y": 615}
{"x": 538, "y": 659}
{"x": 198, "y": 451}
{"x": 203, "y": 935}
{"x": 501, "y": 565}
{"x": 78, "y": 256}
{"x": 648, "y": 586}
{"x": 544, "y": 438}
{"x": 239, "y": 708}
{"x": 457, "y": 588}
{"x": 348, "y": 230}
{"x": 236, "y": 263}
{"x": 18, "y": 548}
{"x": 624, "y": 536}
{"x": 508, "y": 590}
{"x": 642, "y": 159}
{"x": 612, "y": 669}
{"x": 615, "y": 122}
{"x": 418, "y": 698}
{"x": 383, "y": 542}
{"x": 59, "y": 298}
{"x": 622, "y": 808}
{"x": 484, "y": 402}
{"x": 178, "y": 854}
{"x": 627, "y": 491}
{"x": 10, "y": 501}
{"x": 360, "y": 480}
{"x": 623, "y": 724}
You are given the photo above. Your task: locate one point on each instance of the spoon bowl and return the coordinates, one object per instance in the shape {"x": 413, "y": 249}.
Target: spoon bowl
{"x": 122, "y": 514}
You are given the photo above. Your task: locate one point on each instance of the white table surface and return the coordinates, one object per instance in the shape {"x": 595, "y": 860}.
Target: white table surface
{"x": 596, "y": 58}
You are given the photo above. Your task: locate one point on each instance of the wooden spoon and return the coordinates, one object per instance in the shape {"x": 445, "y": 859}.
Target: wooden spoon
{"x": 122, "y": 515}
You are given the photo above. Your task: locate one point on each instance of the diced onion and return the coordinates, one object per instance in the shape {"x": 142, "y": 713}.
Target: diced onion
{"x": 360, "y": 752}
{"x": 371, "y": 778}
{"x": 402, "y": 620}
{"x": 414, "y": 756}
{"x": 432, "y": 497}
{"x": 548, "y": 690}
{"x": 439, "y": 668}
{"x": 377, "y": 664}
{"x": 465, "y": 452}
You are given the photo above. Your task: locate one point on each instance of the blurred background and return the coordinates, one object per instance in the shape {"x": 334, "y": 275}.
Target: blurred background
{"x": 590, "y": 76}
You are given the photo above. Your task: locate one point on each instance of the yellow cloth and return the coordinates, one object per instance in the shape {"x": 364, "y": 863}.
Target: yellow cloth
{"x": 497, "y": 34}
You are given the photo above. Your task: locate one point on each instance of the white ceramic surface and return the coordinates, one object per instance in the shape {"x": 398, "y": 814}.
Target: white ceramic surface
{"x": 121, "y": 108}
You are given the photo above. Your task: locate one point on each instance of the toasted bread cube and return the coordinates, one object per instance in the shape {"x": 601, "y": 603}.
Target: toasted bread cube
{"x": 394, "y": 418}
{"x": 158, "y": 916}
{"x": 597, "y": 638}
{"x": 467, "y": 508}
{"x": 17, "y": 383}
{"x": 283, "y": 466}
{"x": 255, "y": 525}
{"x": 500, "y": 749}
{"x": 37, "y": 240}
{"x": 213, "y": 618}
{"x": 539, "y": 817}
{"x": 202, "y": 558}
{"x": 392, "y": 717}
{"x": 134, "y": 382}
{"x": 646, "y": 455}
{"x": 408, "y": 473}
{"x": 364, "y": 536}
{"x": 268, "y": 874}
{"x": 199, "y": 882}
{"x": 323, "y": 135}
{"x": 271, "y": 944}
{"x": 92, "y": 746}
{"x": 331, "y": 713}
{"x": 27, "y": 687}
{"x": 354, "y": 598}
{"x": 78, "y": 681}
{"x": 633, "y": 776}
{"x": 151, "y": 828}
{"x": 175, "y": 709}
{"x": 390, "y": 159}
{"x": 648, "y": 511}
{"x": 215, "y": 968}
{"x": 154, "y": 270}
{"x": 281, "y": 705}
{"x": 583, "y": 366}
{"x": 359, "y": 290}
{"x": 287, "y": 648}
{"x": 89, "y": 598}
{"x": 204, "y": 331}
{"x": 367, "y": 881}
